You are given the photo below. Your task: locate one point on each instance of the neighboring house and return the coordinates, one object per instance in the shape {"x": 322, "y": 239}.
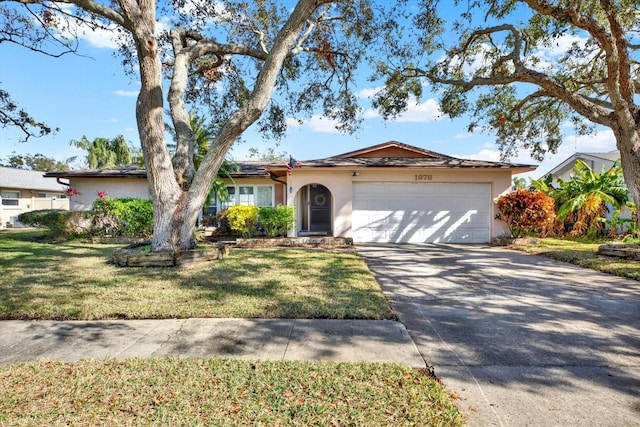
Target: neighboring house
{"x": 24, "y": 190}
{"x": 594, "y": 160}
{"x": 391, "y": 192}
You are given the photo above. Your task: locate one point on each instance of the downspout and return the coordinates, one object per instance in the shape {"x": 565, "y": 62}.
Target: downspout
{"x": 286, "y": 193}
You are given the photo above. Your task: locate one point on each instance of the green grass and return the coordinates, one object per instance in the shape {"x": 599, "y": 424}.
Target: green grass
{"x": 584, "y": 252}
{"x": 76, "y": 280}
{"x": 183, "y": 392}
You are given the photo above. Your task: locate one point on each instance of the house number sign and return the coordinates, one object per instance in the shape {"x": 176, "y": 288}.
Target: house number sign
{"x": 423, "y": 177}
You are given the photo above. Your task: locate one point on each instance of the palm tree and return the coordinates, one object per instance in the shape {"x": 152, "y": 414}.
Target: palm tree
{"x": 584, "y": 198}
{"x": 204, "y": 133}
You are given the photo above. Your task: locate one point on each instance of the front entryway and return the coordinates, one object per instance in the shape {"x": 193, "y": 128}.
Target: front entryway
{"x": 314, "y": 210}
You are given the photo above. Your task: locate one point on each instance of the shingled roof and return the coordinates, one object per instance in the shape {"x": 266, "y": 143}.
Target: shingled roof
{"x": 398, "y": 155}
{"x": 245, "y": 170}
{"x": 28, "y": 180}
{"x": 389, "y": 154}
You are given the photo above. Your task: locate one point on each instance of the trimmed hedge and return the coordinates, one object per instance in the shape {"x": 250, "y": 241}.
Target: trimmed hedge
{"x": 127, "y": 217}
{"x": 59, "y": 222}
{"x": 277, "y": 221}
{"x": 243, "y": 219}
{"x": 251, "y": 221}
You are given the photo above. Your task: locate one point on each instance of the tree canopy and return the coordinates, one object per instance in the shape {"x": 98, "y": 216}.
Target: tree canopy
{"x": 104, "y": 152}
{"x": 228, "y": 59}
{"x": 522, "y": 69}
{"x": 12, "y": 115}
{"x": 35, "y": 162}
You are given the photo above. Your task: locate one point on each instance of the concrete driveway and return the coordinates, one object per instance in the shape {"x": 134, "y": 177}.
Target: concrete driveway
{"x": 520, "y": 340}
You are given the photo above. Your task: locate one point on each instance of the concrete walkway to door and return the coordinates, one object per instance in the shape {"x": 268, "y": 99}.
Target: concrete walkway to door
{"x": 521, "y": 340}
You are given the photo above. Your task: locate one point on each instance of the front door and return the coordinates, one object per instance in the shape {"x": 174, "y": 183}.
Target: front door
{"x": 315, "y": 210}
{"x": 319, "y": 209}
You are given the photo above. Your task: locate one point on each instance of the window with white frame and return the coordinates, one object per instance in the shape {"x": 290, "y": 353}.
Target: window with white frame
{"x": 230, "y": 200}
{"x": 264, "y": 195}
{"x": 248, "y": 195}
{"x": 10, "y": 198}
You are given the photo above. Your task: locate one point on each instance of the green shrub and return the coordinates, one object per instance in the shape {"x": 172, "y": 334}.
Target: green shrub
{"x": 123, "y": 217}
{"x": 222, "y": 224}
{"x": 243, "y": 219}
{"x": 60, "y": 223}
{"x": 277, "y": 221}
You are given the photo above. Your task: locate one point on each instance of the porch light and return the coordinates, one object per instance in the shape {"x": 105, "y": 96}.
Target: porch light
{"x": 355, "y": 173}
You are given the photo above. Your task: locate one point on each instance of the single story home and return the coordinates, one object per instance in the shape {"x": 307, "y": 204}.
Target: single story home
{"x": 390, "y": 192}
{"x": 595, "y": 161}
{"x": 24, "y": 191}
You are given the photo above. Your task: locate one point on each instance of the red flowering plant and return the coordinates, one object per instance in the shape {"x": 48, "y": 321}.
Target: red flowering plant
{"x": 527, "y": 212}
{"x": 71, "y": 191}
{"x": 102, "y": 194}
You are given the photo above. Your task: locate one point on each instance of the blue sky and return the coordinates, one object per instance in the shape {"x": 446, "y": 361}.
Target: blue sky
{"x": 91, "y": 95}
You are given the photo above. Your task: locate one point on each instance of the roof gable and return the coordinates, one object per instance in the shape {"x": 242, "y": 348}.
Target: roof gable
{"x": 569, "y": 163}
{"x": 392, "y": 149}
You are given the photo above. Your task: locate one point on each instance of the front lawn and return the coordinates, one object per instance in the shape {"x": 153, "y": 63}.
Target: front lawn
{"x": 76, "y": 280}
{"x": 584, "y": 253}
{"x": 182, "y": 392}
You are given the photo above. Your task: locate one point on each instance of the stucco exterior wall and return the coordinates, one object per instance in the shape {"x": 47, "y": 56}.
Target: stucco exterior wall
{"x": 88, "y": 188}
{"x": 29, "y": 201}
{"x": 340, "y": 182}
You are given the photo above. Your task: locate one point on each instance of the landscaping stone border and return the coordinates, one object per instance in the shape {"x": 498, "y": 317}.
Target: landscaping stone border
{"x": 309, "y": 241}
{"x": 130, "y": 257}
{"x": 621, "y": 251}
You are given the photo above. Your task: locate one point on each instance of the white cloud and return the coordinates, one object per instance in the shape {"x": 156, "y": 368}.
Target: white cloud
{"x": 120, "y": 92}
{"x": 322, "y": 124}
{"x": 561, "y": 44}
{"x": 293, "y": 123}
{"x": 416, "y": 112}
{"x": 368, "y": 92}
{"x": 316, "y": 123}
{"x": 111, "y": 120}
{"x": 484, "y": 154}
{"x": 100, "y": 37}
{"x": 463, "y": 135}
{"x": 545, "y": 57}
{"x": 424, "y": 112}
{"x": 370, "y": 113}
{"x": 599, "y": 142}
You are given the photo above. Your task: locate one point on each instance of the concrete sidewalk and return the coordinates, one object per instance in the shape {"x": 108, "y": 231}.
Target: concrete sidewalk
{"x": 267, "y": 339}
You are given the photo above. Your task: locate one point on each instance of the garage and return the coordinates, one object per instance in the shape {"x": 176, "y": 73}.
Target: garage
{"x": 421, "y": 212}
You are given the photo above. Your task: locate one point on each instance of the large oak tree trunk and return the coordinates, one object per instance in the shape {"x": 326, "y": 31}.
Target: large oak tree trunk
{"x": 167, "y": 196}
{"x": 628, "y": 143}
{"x": 178, "y": 200}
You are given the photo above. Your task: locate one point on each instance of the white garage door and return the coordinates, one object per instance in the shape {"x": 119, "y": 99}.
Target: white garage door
{"x": 421, "y": 212}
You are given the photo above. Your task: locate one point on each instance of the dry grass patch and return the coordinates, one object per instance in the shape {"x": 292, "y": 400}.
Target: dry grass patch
{"x": 172, "y": 391}
{"x": 75, "y": 280}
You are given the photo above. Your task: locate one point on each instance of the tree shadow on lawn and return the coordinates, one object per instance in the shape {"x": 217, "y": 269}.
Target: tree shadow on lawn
{"x": 294, "y": 283}
{"x": 273, "y": 284}
{"x": 483, "y": 307}
{"x": 266, "y": 339}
